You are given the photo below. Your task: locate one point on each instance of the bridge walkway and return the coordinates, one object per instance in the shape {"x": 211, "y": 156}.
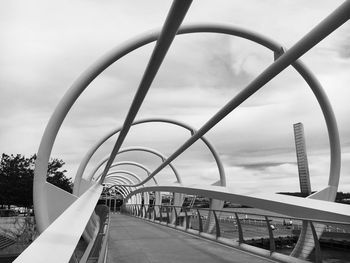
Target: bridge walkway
{"x": 133, "y": 240}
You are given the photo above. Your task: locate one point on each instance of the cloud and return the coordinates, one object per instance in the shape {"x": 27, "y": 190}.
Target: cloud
{"x": 47, "y": 46}
{"x": 261, "y": 166}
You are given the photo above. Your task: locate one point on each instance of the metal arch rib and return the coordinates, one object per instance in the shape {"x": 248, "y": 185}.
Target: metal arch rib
{"x": 169, "y": 30}
{"x": 99, "y": 143}
{"x": 333, "y": 21}
{"x": 137, "y": 148}
{"x": 147, "y": 170}
{"x": 121, "y": 189}
{"x": 123, "y": 172}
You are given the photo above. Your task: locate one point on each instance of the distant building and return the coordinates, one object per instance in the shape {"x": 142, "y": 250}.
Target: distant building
{"x": 303, "y": 167}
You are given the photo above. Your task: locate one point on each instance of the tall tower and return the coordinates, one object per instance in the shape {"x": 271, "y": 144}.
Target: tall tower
{"x": 303, "y": 167}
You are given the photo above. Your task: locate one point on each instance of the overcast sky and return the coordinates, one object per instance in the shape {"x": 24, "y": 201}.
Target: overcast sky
{"x": 46, "y": 45}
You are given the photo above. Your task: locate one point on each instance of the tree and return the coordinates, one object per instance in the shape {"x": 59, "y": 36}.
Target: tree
{"x": 16, "y": 179}
{"x": 15, "y": 175}
{"x": 57, "y": 177}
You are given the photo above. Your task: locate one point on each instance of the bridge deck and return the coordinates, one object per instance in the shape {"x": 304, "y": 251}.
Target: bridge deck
{"x": 134, "y": 240}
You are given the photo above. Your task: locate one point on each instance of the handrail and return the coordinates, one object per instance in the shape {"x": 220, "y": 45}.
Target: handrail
{"x": 186, "y": 208}
{"x": 306, "y": 208}
{"x": 60, "y": 239}
{"x": 193, "y": 224}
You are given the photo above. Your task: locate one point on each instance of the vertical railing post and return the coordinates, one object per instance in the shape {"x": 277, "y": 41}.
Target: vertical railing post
{"x": 160, "y": 213}
{"x": 318, "y": 255}
{"x": 217, "y": 225}
{"x": 187, "y": 224}
{"x": 115, "y": 204}
{"x": 200, "y": 223}
{"x": 154, "y": 214}
{"x": 176, "y": 218}
{"x": 272, "y": 240}
{"x": 167, "y": 215}
{"x": 239, "y": 227}
{"x": 144, "y": 211}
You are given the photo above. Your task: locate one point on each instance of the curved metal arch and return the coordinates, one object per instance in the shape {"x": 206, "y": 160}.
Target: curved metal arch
{"x": 62, "y": 109}
{"x": 117, "y": 183}
{"x": 129, "y": 163}
{"x": 123, "y": 179}
{"x": 139, "y": 148}
{"x": 109, "y": 175}
{"x": 192, "y": 130}
{"x": 121, "y": 190}
{"x": 302, "y": 208}
{"x": 134, "y": 164}
{"x": 124, "y": 192}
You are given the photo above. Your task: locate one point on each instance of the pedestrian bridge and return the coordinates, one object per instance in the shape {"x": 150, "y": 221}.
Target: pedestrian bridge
{"x": 74, "y": 229}
{"x": 132, "y": 240}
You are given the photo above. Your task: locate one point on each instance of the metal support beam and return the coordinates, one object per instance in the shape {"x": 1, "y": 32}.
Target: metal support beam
{"x": 172, "y": 23}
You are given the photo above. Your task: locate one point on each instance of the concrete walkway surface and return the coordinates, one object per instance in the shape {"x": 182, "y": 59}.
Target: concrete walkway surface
{"x": 134, "y": 240}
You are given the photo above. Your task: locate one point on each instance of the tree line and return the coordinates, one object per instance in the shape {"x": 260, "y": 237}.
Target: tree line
{"x": 16, "y": 179}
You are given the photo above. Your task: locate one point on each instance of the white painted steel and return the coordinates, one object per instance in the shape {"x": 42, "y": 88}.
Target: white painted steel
{"x": 137, "y": 148}
{"x": 91, "y": 73}
{"x": 100, "y": 142}
{"x": 303, "y": 208}
{"x": 57, "y": 243}
{"x": 121, "y": 181}
{"x": 169, "y": 30}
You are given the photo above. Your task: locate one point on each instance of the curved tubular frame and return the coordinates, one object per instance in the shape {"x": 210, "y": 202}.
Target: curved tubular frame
{"x": 133, "y": 164}
{"x": 111, "y": 178}
{"x": 337, "y": 18}
{"x": 302, "y": 208}
{"x": 124, "y": 172}
{"x": 122, "y": 180}
{"x": 169, "y": 30}
{"x": 93, "y": 149}
{"x": 137, "y": 148}
{"x": 114, "y": 182}
{"x": 123, "y": 190}
{"x": 127, "y": 163}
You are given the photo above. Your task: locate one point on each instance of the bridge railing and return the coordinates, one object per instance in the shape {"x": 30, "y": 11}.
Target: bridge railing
{"x": 275, "y": 235}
